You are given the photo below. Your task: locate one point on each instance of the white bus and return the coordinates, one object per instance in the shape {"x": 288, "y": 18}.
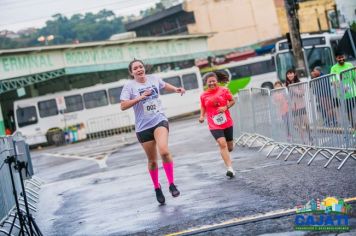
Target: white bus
{"x": 318, "y": 50}
{"x": 257, "y": 72}
{"x": 94, "y": 107}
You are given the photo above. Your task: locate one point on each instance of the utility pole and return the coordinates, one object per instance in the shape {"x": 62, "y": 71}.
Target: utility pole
{"x": 293, "y": 24}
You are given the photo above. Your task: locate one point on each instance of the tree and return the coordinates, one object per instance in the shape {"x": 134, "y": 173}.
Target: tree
{"x": 79, "y": 27}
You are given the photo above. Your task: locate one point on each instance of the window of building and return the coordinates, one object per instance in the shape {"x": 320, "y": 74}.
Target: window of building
{"x": 47, "y": 108}
{"x": 95, "y": 99}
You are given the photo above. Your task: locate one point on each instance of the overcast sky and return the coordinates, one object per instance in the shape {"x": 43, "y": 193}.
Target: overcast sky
{"x": 19, "y": 14}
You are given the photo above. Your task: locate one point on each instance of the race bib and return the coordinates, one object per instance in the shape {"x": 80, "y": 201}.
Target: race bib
{"x": 151, "y": 106}
{"x": 220, "y": 119}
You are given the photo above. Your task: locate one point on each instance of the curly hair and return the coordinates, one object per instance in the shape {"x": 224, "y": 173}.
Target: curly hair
{"x": 220, "y": 76}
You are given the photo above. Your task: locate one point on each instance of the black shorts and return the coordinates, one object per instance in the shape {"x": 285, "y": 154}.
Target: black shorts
{"x": 147, "y": 134}
{"x": 228, "y": 133}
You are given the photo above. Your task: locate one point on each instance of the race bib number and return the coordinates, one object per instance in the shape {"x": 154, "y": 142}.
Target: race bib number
{"x": 220, "y": 119}
{"x": 151, "y": 106}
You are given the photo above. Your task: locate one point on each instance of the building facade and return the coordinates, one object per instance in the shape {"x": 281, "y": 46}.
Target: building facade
{"x": 314, "y": 15}
{"x": 235, "y": 23}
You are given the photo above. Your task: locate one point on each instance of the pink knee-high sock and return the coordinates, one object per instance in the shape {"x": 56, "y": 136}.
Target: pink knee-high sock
{"x": 168, "y": 168}
{"x": 154, "y": 177}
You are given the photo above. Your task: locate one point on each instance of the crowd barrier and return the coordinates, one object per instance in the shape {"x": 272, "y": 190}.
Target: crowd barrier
{"x": 106, "y": 126}
{"x": 13, "y": 153}
{"x": 313, "y": 118}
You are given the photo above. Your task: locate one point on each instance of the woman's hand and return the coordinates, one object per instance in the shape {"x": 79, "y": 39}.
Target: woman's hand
{"x": 145, "y": 94}
{"x": 201, "y": 119}
{"x": 222, "y": 109}
{"x": 180, "y": 90}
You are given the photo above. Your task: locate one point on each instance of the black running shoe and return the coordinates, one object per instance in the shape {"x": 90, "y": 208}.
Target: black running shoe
{"x": 160, "y": 196}
{"x": 229, "y": 174}
{"x": 173, "y": 190}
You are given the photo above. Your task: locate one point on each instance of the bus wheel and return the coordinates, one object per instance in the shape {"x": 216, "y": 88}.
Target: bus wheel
{"x": 267, "y": 85}
{"x": 55, "y": 136}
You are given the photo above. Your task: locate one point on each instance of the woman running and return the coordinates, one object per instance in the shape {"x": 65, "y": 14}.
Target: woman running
{"x": 215, "y": 102}
{"x": 142, "y": 93}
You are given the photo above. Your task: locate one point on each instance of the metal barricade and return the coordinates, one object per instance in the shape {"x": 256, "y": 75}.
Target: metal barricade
{"x": 6, "y": 191}
{"x": 110, "y": 125}
{"x": 314, "y": 118}
{"x": 246, "y": 118}
{"x": 328, "y": 119}
{"x": 299, "y": 113}
{"x": 236, "y": 113}
{"x": 246, "y": 113}
{"x": 347, "y": 101}
{"x": 18, "y": 188}
{"x": 279, "y": 115}
{"x": 261, "y": 111}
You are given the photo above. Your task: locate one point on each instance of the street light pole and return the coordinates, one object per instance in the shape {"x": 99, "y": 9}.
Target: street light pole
{"x": 45, "y": 39}
{"x": 293, "y": 24}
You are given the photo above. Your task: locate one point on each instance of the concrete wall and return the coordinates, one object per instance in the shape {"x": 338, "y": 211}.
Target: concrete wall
{"x": 309, "y": 13}
{"x": 236, "y": 23}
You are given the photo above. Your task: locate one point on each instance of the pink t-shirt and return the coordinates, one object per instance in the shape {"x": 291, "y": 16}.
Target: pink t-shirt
{"x": 211, "y": 100}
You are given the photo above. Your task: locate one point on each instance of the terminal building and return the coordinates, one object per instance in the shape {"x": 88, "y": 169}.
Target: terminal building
{"x": 31, "y": 72}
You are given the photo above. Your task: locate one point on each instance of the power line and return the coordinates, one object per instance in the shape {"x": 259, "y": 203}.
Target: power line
{"x": 26, "y": 4}
{"x": 16, "y": 2}
{"x": 143, "y": 2}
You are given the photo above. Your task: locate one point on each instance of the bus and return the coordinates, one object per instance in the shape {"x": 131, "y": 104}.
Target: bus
{"x": 93, "y": 106}
{"x": 257, "y": 72}
{"x": 318, "y": 50}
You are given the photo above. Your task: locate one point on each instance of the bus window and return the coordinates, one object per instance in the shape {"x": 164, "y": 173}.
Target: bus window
{"x": 190, "y": 81}
{"x": 114, "y": 95}
{"x": 95, "y": 99}
{"x": 319, "y": 57}
{"x": 26, "y": 116}
{"x": 74, "y": 103}
{"x": 175, "y": 81}
{"x": 47, "y": 108}
{"x": 239, "y": 72}
{"x": 285, "y": 61}
{"x": 261, "y": 67}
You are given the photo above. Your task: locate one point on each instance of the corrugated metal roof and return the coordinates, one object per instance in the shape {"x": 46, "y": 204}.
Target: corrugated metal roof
{"x": 102, "y": 43}
{"x": 149, "y": 19}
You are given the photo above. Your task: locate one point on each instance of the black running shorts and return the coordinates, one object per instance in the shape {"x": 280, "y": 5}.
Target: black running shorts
{"x": 228, "y": 133}
{"x": 147, "y": 134}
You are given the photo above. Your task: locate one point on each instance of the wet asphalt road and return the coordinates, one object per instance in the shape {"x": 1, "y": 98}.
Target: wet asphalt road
{"x": 82, "y": 197}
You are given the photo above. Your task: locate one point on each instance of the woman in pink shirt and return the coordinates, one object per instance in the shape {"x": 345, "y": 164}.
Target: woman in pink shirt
{"x": 215, "y": 104}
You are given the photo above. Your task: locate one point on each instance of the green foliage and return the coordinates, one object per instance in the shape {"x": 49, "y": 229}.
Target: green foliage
{"x": 159, "y": 6}
{"x": 79, "y": 27}
{"x": 353, "y": 26}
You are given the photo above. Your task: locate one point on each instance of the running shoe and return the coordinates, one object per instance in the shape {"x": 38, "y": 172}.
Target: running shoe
{"x": 173, "y": 190}
{"x": 160, "y": 196}
{"x": 230, "y": 172}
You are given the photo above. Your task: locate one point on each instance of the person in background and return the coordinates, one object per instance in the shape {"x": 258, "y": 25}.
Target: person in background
{"x": 8, "y": 131}
{"x": 297, "y": 105}
{"x": 323, "y": 95}
{"x": 281, "y": 101}
{"x": 345, "y": 85}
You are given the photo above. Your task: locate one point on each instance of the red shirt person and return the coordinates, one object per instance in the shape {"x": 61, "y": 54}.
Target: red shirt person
{"x": 215, "y": 104}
